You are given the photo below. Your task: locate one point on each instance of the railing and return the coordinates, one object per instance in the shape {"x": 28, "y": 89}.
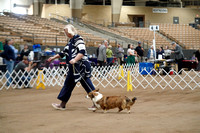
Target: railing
{"x": 109, "y": 76}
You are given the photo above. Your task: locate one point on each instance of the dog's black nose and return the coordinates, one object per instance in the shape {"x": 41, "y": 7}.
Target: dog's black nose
{"x": 134, "y": 99}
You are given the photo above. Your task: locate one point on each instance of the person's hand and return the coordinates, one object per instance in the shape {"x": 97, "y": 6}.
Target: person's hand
{"x": 50, "y": 59}
{"x": 31, "y": 62}
{"x": 34, "y": 64}
{"x": 72, "y": 61}
{"x": 172, "y": 51}
{"x": 27, "y": 69}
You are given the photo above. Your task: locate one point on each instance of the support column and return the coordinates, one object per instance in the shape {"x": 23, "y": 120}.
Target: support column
{"x": 76, "y": 8}
{"x": 37, "y": 7}
{"x": 116, "y": 10}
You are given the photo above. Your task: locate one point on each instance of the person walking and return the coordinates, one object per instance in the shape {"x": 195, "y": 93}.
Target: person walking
{"x": 78, "y": 66}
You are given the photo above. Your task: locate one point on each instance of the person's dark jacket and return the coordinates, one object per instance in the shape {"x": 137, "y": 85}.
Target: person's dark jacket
{"x": 23, "y": 53}
{"x": 139, "y": 51}
{"x": 197, "y": 54}
{"x": 8, "y": 53}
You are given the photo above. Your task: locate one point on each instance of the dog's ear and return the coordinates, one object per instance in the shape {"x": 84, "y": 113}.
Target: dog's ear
{"x": 91, "y": 95}
{"x": 97, "y": 90}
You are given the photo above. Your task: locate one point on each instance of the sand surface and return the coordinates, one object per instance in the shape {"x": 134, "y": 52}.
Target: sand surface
{"x": 155, "y": 111}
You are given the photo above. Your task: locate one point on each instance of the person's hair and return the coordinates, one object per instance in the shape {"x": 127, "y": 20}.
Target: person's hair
{"x": 25, "y": 57}
{"x": 173, "y": 43}
{"x": 7, "y": 40}
{"x": 129, "y": 45}
{"x": 25, "y": 45}
{"x": 161, "y": 48}
{"x": 71, "y": 30}
{"x": 167, "y": 47}
{"x": 104, "y": 41}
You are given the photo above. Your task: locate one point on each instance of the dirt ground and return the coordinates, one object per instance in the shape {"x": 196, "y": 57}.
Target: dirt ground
{"x": 155, "y": 111}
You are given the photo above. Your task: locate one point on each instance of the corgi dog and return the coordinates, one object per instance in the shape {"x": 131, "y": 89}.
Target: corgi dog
{"x": 111, "y": 102}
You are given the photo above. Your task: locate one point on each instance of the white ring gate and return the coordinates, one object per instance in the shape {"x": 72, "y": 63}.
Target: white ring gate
{"x": 108, "y": 76}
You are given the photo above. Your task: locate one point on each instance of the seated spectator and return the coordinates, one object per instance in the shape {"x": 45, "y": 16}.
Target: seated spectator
{"x": 160, "y": 52}
{"x": 24, "y": 52}
{"x": 194, "y": 58}
{"x": 23, "y": 77}
{"x": 48, "y": 49}
{"x": 167, "y": 53}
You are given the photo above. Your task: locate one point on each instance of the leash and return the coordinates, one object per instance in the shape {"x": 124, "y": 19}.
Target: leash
{"x": 81, "y": 77}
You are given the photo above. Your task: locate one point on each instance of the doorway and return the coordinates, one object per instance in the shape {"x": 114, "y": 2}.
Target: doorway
{"x": 139, "y": 20}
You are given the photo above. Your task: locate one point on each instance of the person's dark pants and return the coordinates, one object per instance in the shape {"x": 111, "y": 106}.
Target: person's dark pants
{"x": 140, "y": 58}
{"x": 101, "y": 63}
{"x": 180, "y": 64}
{"x": 69, "y": 85}
{"x": 109, "y": 60}
{"x": 119, "y": 60}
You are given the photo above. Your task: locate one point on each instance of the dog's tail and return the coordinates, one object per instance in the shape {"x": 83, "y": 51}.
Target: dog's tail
{"x": 133, "y": 100}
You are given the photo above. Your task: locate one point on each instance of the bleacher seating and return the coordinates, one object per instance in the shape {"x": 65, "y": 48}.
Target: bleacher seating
{"x": 41, "y": 30}
{"x": 138, "y": 34}
{"x": 145, "y": 35}
{"x": 48, "y": 32}
{"x": 183, "y": 34}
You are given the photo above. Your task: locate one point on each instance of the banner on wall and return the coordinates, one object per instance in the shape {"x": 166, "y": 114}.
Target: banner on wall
{"x": 159, "y": 10}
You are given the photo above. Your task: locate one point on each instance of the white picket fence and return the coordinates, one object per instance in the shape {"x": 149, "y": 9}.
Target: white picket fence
{"x": 109, "y": 77}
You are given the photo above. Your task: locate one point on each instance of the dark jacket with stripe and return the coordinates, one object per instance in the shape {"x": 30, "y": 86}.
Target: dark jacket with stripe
{"x": 82, "y": 68}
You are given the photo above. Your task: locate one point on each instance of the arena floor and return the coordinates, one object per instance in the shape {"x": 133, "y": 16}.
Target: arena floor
{"x": 155, "y": 111}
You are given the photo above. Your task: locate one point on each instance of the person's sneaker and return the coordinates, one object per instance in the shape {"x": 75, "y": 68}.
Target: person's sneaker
{"x": 29, "y": 86}
{"x": 93, "y": 108}
{"x": 18, "y": 87}
{"x": 57, "y": 106}
{"x": 87, "y": 97}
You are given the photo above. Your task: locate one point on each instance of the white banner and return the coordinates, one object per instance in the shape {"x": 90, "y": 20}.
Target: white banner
{"x": 160, "y": 10}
